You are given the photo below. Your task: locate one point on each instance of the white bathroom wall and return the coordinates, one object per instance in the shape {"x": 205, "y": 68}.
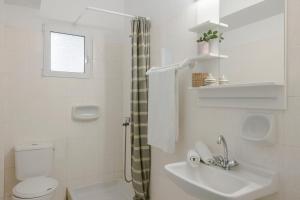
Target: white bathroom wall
{"x": 171, "y": 20}
{"x": 207, "y": 10}
{"x": 36, "y": 108}
{"x": 1, "y": 109}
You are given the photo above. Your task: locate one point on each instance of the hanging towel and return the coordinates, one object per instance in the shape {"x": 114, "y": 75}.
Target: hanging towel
{"x": 163, "y": 109}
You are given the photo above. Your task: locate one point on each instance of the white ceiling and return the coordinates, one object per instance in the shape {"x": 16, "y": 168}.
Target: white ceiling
{"x": 28, "y": 3}
{"x": 69, "y": 10}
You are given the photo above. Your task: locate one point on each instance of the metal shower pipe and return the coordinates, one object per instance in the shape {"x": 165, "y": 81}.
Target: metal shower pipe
{"x": 94, "y": 9}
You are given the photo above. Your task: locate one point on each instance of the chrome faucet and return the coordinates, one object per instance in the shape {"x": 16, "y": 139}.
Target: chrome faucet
{"x": 223, "y": 161}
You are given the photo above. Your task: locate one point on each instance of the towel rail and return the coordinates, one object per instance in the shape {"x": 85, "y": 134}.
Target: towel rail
{"x": 177, "y": 66}
{"x": 189, "y": 62}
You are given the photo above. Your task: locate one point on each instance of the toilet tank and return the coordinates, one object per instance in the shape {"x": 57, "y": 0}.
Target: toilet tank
{"x": 33, "y": 160}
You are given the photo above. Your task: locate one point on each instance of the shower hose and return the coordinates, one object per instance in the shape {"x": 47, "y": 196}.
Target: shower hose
{"x": 125, "y": 125}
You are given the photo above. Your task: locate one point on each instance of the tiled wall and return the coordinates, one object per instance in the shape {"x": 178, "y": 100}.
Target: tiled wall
{"x": 171, "y": 20}
{"x": 36, "y": 108}
{"x": 1, "y": 124}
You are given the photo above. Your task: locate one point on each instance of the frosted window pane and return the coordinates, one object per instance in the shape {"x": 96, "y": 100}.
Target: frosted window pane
{"x": 67, "y": 53}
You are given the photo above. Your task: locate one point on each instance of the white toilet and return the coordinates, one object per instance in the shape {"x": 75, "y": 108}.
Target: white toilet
{"x": 34, "y": 164}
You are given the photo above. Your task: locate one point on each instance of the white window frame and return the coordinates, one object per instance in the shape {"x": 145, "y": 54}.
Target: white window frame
{"x": 70, "y": 30}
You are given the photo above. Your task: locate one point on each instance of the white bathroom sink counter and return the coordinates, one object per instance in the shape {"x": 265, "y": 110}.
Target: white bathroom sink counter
{"x": 241, "y": 183}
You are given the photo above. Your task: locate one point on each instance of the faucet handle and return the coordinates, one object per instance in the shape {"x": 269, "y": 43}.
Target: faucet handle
{"x": 219, "y": 161}
{"x": 232, "y": 163}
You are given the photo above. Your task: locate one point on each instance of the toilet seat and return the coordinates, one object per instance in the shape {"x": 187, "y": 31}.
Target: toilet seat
{"x": 35, "y": 187}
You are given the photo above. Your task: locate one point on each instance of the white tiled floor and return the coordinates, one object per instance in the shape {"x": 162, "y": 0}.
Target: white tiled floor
{"x": 103, "y": 191}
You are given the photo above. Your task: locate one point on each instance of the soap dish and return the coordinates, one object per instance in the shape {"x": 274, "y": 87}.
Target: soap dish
{"x": 85, "y": 112}
{"x": 259, "y": 127}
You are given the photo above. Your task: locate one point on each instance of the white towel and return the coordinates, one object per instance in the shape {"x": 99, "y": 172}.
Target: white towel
{"x": 193, "y": 158}
{"x": 163, "y": 109}
{"x": 204, "y": 152}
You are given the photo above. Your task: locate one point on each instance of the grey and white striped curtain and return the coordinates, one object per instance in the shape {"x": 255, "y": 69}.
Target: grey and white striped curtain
{"x": 140, "y": 150}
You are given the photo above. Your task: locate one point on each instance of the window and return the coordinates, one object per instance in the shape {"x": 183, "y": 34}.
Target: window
{"x": 66, "y": 53}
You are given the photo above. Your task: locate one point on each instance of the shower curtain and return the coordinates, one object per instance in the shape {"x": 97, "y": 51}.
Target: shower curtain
{"x": 140, "y": 150}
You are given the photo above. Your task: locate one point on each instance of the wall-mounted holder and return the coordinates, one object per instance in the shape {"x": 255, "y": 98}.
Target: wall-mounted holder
{"x": 85, "y": 112}
{"x": 259, "y": 128}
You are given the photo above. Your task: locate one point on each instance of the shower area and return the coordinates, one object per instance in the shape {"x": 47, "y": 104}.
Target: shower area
{"x": 126, "y": 164}
{"x": 89, "y": 160}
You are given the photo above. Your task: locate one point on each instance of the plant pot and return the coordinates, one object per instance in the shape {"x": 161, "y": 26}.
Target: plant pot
{"x": 214, "y": 46}
{"x": 203, "y": 48}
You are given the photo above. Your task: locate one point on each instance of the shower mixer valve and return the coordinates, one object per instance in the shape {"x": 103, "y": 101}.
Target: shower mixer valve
{"x": 127, "y": 121}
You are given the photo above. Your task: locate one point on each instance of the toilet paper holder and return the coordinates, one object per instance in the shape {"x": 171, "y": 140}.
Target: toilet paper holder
{"x": 259, "y": 127}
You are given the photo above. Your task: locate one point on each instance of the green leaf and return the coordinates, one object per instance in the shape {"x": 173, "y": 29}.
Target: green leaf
{"x": 211, "y": 35}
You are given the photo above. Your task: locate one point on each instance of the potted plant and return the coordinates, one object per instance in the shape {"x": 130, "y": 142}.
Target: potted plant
{"x": 208, "y": 42}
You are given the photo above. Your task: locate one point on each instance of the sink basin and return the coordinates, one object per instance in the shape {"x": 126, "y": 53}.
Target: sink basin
{"x": 241, "y": 183}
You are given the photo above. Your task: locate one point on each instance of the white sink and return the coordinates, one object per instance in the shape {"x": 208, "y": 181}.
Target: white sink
{"x": 207, "y": 182}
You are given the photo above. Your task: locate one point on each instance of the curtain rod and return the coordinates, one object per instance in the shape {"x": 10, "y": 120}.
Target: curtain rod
{"x": 104, "y": 11}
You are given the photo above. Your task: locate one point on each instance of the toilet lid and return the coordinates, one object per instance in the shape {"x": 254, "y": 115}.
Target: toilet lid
{"x": 35, "y": 187}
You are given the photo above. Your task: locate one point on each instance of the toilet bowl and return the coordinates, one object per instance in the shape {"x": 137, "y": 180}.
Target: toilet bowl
{"x": 35, "y": 181}
{"x": 37, "y": 188}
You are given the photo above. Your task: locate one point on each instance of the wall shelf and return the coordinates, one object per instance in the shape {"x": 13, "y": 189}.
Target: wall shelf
{"x": 240, "y": 85}
{"x": 205, "y": 57}
{"x": 189, "y": 62}
{"x": 206, "y": 26}
{"x": 261, "y": 95}
{"x": 85, "y": 112}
